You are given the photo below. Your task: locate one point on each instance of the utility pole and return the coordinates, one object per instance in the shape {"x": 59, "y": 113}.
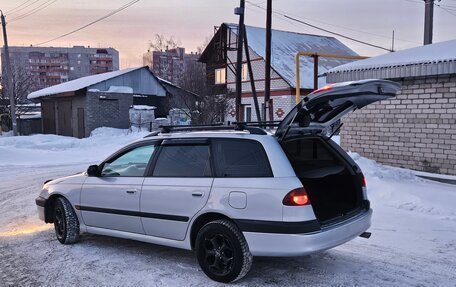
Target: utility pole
{"x": 428, "y": 21}
{"x": 252, "y": 80}
{"x": 267, "y": 75}
{"x": 240, "y": 36}
{"x": 9, "y": 75}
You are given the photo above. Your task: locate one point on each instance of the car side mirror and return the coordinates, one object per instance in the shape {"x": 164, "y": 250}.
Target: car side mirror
{"x": 93, "y": 170}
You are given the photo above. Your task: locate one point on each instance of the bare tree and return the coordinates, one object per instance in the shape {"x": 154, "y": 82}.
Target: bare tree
{"x": 203, "y": 46}
{"x": 207, "y": 107}
{"x": 22, "y": 85}
{"x": 163, "y": 43}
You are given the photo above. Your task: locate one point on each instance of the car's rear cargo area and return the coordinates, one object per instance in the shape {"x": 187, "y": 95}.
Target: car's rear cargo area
{"x": 333, "y": 186}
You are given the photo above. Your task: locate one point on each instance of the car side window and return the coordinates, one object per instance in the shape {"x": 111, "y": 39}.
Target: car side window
{"x": 183, "y": 161}
{"x": 240, "y": 158}
{"x": 132, "y": 163}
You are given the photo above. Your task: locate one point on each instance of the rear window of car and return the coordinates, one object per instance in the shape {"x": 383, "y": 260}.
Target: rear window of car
{"x": 240, "y": 158}
{"x": 183, "y": 161}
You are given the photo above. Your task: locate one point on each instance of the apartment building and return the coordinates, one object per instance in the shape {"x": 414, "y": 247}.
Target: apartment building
{"x": 48, "y": 66}
{"x": 170, "y": 64}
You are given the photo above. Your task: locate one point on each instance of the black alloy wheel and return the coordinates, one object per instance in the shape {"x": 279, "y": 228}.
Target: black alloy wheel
{"x": 218, "y": 254}
{"x": 222, "y": 251}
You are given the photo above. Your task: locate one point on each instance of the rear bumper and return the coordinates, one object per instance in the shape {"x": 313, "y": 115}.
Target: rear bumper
{"x": 276, "y": 244}
{"x": 40, "y": 203}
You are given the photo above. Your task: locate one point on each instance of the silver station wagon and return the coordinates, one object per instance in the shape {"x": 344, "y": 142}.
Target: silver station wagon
{"x": 227, "y": 192}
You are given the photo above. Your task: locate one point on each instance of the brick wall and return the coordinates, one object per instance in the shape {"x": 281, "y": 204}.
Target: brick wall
{"x": 415, "y": 130}
{"x": 107, "y": 110}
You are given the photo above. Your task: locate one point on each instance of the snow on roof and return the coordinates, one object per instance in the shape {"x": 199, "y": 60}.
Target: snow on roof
{"x": 143, "y": 107}
{"x": 166, "y": 82}
{"x": 28, "y": 116}
{"x": 286, "y": 44}
{"x": 78, "y": 84}
{"x": 433, "y": 53}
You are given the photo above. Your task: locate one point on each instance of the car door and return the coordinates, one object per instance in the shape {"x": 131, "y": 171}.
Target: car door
{"x": 177, "y": 187}
{"x": 111, "y": 200}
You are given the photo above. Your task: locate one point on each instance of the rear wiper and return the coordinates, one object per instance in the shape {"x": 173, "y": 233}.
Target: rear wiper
{"x": 335, "y": 131}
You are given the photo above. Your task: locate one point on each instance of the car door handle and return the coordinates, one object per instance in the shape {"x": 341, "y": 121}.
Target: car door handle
{"x": 131, "y": 191}
{"x": 198, "y": 194}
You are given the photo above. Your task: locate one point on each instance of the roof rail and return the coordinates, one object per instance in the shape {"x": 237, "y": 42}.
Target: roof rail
{"x": 167, "y": 129}
{"x": 210, "y": 127}
{"x": 259, "y": 124}
{"x": 152, "y": 134}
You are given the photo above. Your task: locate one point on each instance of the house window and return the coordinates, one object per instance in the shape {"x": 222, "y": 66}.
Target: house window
{"x": 220, "y": 76}
{"x": 248, "y": 114}
{"x": 245, "y": 74}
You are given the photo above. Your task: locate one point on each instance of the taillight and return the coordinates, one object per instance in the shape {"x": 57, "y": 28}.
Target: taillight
{"x": 364, "y": 188}
{"x": 296, "y": 197}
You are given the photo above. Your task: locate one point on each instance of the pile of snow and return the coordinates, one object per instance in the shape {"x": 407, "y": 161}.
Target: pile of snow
{"x": 48, "y": 150}
{"x": 143, "y": 107}
{"x": 401, "y": 189}
{"x": 375, "y": 170}
{"x": 6, "y": 134}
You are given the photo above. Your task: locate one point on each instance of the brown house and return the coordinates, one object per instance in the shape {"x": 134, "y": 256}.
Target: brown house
{"x": 220, "y": 57}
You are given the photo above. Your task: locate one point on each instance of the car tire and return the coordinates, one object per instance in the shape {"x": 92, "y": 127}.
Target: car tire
{"x": 222, "y": 251}
{"x": 66, "y": 223}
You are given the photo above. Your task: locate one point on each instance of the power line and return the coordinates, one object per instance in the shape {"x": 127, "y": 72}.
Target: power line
{"x": 283, "y": 19}
{"x": 324, "y": 30}
{"x": 449, "y": 7}
{"x": 415, "y": 1}
{"x": 25, "y": 7}
{"x": 91, "y": 23}
{"x": 35, "y": 10}
{"x": 338, "y": 34}
{"x": 340, "y": 26}
{"x": 17, "y": 7}
{"x": 446, "y": 10}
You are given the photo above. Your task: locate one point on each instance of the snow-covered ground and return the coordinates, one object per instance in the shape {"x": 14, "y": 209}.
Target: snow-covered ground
{"x": 48, "y": 150}
{"x": 413, "y": 239}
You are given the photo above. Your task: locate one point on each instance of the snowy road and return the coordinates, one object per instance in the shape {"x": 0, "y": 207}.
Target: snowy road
{"x": 413, "y": 243}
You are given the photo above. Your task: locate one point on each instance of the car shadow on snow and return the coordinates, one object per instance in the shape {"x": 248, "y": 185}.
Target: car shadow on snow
{"x": 273, "y": 271}
{"x": 104, "y": 260}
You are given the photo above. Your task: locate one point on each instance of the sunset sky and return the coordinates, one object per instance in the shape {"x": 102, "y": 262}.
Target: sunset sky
{"x": 192, "y": 21}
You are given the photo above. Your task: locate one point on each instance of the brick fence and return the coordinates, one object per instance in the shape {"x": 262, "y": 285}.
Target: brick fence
{"x": 416, "y": 130}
